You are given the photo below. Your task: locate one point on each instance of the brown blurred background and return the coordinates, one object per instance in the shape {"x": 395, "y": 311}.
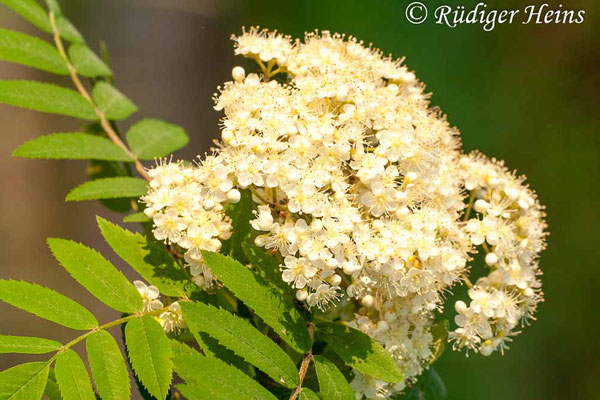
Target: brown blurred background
{"x": 527, "y": 94}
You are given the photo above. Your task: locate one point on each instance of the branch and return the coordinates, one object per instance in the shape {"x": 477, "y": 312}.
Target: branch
{"x": 303, "y": 367}
{"x": 104, "y": 122}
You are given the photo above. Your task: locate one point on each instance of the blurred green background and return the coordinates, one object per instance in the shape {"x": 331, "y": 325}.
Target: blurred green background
{"x": 527, "y": 94}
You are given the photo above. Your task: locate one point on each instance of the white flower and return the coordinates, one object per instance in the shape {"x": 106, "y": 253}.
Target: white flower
{"x": 297, "y": 271}
{"x": 172, "y": 319}
{"x": 149, "y": 295}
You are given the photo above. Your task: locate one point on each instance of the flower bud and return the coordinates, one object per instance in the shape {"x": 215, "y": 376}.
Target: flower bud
{"x": 481, "y": 206}
{"x": 460, "y": 306}
{"x": 491, "y": 259}
{"x": 238, "y": 74}
{"x": 234, "y": 195}
{"x": 367, "y": 301}
{"x": 301, "y": 295}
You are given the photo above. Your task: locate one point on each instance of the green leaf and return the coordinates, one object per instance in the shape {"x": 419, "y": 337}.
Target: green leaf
{"x": 243, "y": 339}
{"x": 109, "y": 169}
{"x": 27, "y": 345}
{"x": 24, "y": 382}
{"x": 360, "y": 351}
{"x": 277, "y": 311}
{"x": 152, "y": 138}
{"x": 97, "y": 275}
{"x": 86, "y": 62}
{"x": 46, "y": 97}
{"x": 36, "y": 15}
{"x": 52, "y": 390}
{"x": 267, "y": 266}
{"x": 113, "y": 103}
{"x": 216, "y": 377}
{"x": 137, "y": 217}
{"x": 332, "y": 384}
{"x": 47, "y": 304}
{"x": 30, "y": 51}
{"x": 240, "y": 214}
{"x": 53, "y": 6}
{"x": 72, "y": 377}
{"x": 108, "y": 366}
{"x": 74, "y": 146}
{"x": 109, "y": 188}
{"x": 431, "y": 385}
{"x": 148, "y": 257}
{"x": 307, "y": 394}
{"x": 440, "y": 337}
{"x": 150, "y": 354}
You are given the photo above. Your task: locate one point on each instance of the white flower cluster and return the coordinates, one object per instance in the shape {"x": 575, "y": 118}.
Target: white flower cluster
{"x": 510, "y": 227}
{"x": 186, "y": 206}
{"x": 360, "y": 187}
{"x": 170, "y": 319}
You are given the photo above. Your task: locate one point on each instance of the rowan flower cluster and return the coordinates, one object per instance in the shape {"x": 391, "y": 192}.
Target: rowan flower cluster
{"x": 171, "y": 319}
{"x": 361, "y": 189}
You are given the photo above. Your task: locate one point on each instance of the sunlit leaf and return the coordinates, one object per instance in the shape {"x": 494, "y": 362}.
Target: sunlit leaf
{"x": 46, "y": 97}
{"x": 74, "y": 146}
{"x": 265, "y": 299}
{"x": 109, "y": 188}
{"x": 152, "y": 138}
{"x": 150, "y": 354}
{"x": 47, "y": 304}
{"x": 97, "y": 275}
{"x": 360, "y": 351}
{"x": 113, "y": 103}
{"x": 30, "y": 51}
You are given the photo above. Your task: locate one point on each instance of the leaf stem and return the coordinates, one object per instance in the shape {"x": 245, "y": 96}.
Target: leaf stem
{"x": 104, "y": 122}
{"x": 104, "y": 327}
{"x": 470, "y": 205}
{"x": 303, "y": 366}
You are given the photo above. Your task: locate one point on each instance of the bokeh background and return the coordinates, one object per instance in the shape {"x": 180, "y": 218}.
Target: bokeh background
{"x": 528, "y": 94}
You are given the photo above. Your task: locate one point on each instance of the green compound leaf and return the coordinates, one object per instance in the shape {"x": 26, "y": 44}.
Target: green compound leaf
{"x": 108, "y": 366}
{"x": 52, "y": 390}
{"x": 137, "y": 217}
{"x": 218, "y": 379}
{"x": 72, "y": 377}
{"x": 360, "y": 351}
{"x": 24, "y": 382}
{"x": 307, "y": 394}
{"x": 47, "y": 304}
{"x": 72, "y": 146}
{"x": 243, "y": 339}
{"x": 113, "y": 103}
{"x": 265, "y": 299}
{"x": 267, "y": 266}
{"x": 429, "y": 387}
{"x": 332, "y": 384}
{"x": 148, "y": 257}
{"x": 97, "y": 275}
{"x": 152, "y": 138}
{"x": 36, "y": 15}
{"x": 30, "y": 51}
{"x": 240, "y": 214}
{"x": 46, "y": 97}
{"x": 86, "y": 62}
{"x": 27, "y": 345}
{"x": 109, "y": 188}
{"x": 150, "y": 354}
